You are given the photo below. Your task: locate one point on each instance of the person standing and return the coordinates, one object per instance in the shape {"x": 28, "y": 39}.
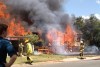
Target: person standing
{"x": 81, "y": 49}
{"x": 6, "y": 48}
{"x": 21, "y": 49}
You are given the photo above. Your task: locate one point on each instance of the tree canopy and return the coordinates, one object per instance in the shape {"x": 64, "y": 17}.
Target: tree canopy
{"x": 90, "y": 29}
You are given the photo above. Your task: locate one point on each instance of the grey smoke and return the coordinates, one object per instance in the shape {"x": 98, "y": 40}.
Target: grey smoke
{"x": 40, "y": 12}
{"x": 55, "y": 4}
{"x": 91, "y": 49}
{"x": 44, "y": 14}
{"x": 37, "y": 10}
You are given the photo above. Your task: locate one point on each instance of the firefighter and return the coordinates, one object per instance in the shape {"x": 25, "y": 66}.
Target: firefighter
{"x": 21, "y": 49}
{"x": 81, "y": 48}
{"x": 29, "y": 51}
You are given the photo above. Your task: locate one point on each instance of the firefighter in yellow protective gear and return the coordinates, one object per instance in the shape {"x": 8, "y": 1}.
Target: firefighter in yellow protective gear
{"x": 29, "y": 51}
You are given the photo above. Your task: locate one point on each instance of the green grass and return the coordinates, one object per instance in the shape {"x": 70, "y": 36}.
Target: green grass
{"x": 44, "y": 58}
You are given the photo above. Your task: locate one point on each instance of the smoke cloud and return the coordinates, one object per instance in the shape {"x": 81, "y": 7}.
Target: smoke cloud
{"x": 40, "y": 13}
{"x": 43, "y": 15}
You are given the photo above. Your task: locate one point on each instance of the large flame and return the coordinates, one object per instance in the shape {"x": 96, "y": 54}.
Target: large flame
{"x": 69, "y": 36}
{"x": 2, "y": 8}
{"x": 64, "y": 38}
{"x": 15, "y": 28}
{"x": 3, "y": 13}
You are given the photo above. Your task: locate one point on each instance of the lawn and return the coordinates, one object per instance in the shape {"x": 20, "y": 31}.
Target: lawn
{"x": 44, "y": 58}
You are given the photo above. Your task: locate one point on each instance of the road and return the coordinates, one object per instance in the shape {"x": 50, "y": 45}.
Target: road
{"x": 80, "y": 63}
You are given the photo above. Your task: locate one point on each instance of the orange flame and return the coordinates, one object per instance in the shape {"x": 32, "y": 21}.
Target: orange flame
{"x": 2, "y": 9}
{"x": 14, "y": 28}
{"x": 69, "y": 36}
{"x": 58, "y": 36}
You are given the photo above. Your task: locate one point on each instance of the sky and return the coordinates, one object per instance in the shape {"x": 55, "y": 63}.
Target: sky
{"x": 82, "y": 7}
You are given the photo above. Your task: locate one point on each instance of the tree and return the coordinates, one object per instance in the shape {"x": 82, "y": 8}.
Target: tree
{"x": 33, "y": 38}
{"x": 90, "y": 29}
{"x": 79, "y": 23}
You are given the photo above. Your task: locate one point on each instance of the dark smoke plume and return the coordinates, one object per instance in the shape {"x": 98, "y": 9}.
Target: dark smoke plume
{"x": 39, "y": 13}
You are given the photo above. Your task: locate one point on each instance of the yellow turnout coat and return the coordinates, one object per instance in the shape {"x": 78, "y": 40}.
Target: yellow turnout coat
{"x": 29, "y": 48}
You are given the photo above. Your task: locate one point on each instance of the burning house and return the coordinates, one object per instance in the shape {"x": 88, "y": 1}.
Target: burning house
{"x": 42, "y": 16}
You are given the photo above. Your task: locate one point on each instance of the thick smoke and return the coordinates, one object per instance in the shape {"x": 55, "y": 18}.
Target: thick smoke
{"x": 39, "y": 12}
{"x": 55, "y": 4}
{"x": 43, "y": 15}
